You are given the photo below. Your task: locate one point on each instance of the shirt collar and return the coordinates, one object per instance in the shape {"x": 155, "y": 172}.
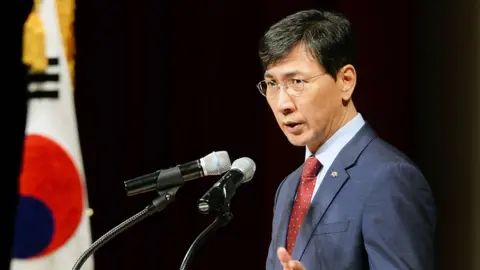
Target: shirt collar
{"x": 327, "y": 153}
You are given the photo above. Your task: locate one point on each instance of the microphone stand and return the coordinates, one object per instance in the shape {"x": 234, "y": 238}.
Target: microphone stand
{"x": 223, "y": 217}
{"x": 165, "y": 197}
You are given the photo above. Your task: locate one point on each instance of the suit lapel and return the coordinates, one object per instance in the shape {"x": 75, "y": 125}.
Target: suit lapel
{"x": 285, "y": 208}
{"x": 328, "y": 190}
{"x": 330, "y": 186}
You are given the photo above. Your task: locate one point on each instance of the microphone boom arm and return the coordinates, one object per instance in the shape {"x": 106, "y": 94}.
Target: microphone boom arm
{"x": 165, "y": 197}
{"x": 224, "y": 215}
{"x": 217, "y": 201}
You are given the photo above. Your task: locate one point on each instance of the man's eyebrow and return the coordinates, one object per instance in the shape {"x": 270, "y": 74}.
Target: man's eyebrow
{"x": 289, "y": 74}
{"x": 268, "y": 75}
{"x": 292, "y": 73}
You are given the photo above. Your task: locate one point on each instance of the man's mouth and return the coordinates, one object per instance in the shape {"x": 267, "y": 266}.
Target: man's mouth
{"x": 292, "y": 125}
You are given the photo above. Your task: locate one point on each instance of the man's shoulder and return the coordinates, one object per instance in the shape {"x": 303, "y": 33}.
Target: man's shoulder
{"x": 368, "y": 147}
{"x": 383, "y": 160}
{"x": 383, "y": 152}
{"x": 384, "y": 169}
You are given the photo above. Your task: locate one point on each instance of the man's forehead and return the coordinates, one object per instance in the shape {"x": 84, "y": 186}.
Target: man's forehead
{"x": 287, "y": 67}
{"x": 297, "y": 62}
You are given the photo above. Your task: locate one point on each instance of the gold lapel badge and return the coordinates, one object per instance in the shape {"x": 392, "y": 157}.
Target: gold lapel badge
{"x": 334, "y": 174}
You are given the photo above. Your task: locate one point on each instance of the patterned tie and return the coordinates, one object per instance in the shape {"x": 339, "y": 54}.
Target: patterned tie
{"x": 303, "y": 199}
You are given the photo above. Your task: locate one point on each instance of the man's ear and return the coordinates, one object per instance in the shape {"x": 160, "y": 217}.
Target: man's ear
{"x": 347, "y": 78}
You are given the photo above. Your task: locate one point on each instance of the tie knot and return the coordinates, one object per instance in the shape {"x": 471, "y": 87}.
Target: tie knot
{"x": 311, "y": 168}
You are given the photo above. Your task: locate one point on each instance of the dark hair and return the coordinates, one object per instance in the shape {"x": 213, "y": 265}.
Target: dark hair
{"x": 327, "y": 35}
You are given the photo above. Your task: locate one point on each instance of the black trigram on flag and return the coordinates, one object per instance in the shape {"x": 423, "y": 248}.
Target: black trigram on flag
{"x": 45, "y": 85}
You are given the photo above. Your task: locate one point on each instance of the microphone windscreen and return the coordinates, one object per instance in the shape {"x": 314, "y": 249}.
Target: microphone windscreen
{"x": 215, "y": 163}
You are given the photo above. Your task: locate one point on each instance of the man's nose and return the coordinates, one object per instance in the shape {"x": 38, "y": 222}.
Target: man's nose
{"x": 285, "y": 102}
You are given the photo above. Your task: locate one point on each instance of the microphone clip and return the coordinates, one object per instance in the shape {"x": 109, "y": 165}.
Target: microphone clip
{"x": 215, "y": 201}
{"x": 164, "y": 198}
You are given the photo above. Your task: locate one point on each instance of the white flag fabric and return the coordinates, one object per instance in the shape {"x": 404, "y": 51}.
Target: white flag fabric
{"x": 52, "y": 224}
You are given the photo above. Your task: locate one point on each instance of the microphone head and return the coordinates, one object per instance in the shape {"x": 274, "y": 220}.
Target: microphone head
{"x": 215, "y": 163}
{"x": 246, "y": 166}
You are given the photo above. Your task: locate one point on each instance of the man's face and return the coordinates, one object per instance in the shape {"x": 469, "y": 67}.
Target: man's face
{"x": 313, "y": 115}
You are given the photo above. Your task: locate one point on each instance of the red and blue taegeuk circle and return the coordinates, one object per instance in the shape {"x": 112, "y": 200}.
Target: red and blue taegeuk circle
{"x": 51, "y": 199}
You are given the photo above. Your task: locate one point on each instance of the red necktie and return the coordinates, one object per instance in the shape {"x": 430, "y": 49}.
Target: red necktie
{"x": 303, "y": 199}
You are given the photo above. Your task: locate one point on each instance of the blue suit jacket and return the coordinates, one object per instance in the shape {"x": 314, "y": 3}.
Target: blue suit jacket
{"x": 377, "y": 213}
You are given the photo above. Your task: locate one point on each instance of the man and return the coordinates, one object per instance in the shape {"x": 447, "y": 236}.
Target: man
{"x": 356, "y": 202}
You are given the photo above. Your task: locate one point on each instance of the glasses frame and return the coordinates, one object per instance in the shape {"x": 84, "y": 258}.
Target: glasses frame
{"x": 286, "y": 85}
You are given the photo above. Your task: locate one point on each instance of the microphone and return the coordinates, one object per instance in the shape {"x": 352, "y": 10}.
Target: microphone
{"x": 224, "y": 189}
{"x": 214, "y": 163}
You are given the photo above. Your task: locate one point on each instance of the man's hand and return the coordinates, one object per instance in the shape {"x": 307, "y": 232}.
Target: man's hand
{"x": 287, "y": 262}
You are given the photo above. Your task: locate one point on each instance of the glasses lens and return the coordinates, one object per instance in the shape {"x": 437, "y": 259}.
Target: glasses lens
{"x": 296, "y": 87}
{"x": 262, "y": 87}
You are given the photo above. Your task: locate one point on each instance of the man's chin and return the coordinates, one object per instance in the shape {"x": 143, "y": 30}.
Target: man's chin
{"x": 296, "y": 141}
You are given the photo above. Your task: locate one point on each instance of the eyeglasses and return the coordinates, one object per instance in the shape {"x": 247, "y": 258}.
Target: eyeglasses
{"x": 293, "y": 87}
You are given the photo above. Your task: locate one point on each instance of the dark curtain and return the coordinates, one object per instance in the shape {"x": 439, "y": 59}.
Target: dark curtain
{"x": 448, "y": 124}
{"x": 161, "y": 83}
{"x": 13, "y": 118}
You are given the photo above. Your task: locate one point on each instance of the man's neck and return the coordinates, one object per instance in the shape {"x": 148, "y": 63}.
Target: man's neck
{"x": 342, "y": 134}
{"x": 349, "y": 114}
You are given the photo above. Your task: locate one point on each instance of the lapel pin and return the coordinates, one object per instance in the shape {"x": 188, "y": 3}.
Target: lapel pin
{"x": 334, "y": 174}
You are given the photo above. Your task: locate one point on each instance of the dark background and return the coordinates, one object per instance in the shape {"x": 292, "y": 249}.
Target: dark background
{"x": 160, "y": 83}
{"x": 13, "y": 115}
